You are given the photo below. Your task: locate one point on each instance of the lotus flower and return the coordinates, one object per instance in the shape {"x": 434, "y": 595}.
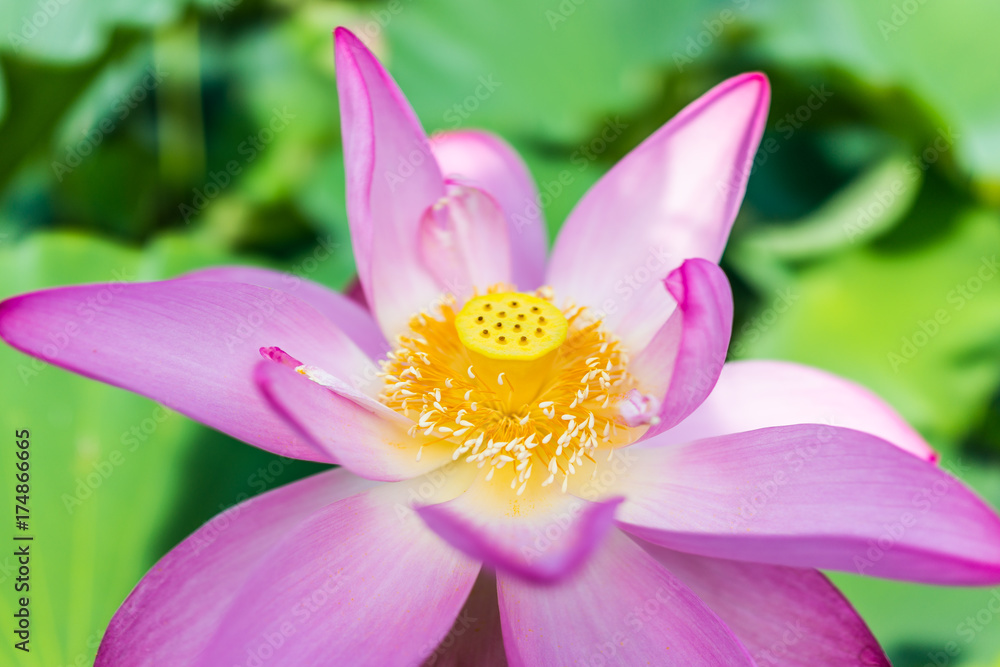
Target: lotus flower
{"x": 540, "y": 464}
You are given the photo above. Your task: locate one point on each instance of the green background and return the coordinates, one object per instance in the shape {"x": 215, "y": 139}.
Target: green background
{"x": 874, "y": 202}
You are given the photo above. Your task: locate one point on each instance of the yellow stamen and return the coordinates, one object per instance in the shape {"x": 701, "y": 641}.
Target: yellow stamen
{"x": 550, "y": 399}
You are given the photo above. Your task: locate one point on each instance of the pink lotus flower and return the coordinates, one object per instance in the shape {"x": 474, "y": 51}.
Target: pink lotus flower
{"x": 550, "y": 465}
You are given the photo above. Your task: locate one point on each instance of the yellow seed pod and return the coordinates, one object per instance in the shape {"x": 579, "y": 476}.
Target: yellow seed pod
{"x": 511, "y": 326}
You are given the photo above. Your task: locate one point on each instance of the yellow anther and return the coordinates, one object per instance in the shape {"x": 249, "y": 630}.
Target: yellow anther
{"x": 511, "y": 326}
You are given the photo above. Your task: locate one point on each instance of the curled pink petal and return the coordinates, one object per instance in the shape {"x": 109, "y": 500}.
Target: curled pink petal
{"x": 463, "y": 241}
{"x": 488, "y": 162}
{"x": 368, "y": 439}
{"x": 544, "y": 544}
{"x": 685, "y": 357}
{"x": 673, "y": 198}
{"x": 813, "y": 495}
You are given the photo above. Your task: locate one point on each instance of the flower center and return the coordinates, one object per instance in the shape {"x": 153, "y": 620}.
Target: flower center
{"x": 511, "y": 326}
{"x": 512, "y": 382}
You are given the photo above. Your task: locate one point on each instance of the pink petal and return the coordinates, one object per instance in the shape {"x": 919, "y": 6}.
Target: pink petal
{"x": 170, "y": 616}
{"x": 755, "y": 394}
{"x": 784, "y": 616}
{"x": 688, "y": 352}
{"x": 543, "y": 540}
{"x": 672, "y": 198}
{"x": 813, "y": 495}
{"x": 392, "y": 178}
{"x": 463, "y": 240}
{"x": 367, "y": 438}
{"x": 475, "y": 637}
{"x": 623, "y": 608}
{"x": 351, "y": 318}
{"x": 357, "y": 583}
{"x": 488, "y": 162}
{"x": 188, "y": 344}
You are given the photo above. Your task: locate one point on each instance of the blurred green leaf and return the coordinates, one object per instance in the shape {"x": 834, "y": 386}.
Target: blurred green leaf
{"x": 552, "y": 69}
{"x": 69, "y": 31}
{"x": 920, "y": 326}
{"x": 851, "y": 216}
{"x": 936, "y": 50}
